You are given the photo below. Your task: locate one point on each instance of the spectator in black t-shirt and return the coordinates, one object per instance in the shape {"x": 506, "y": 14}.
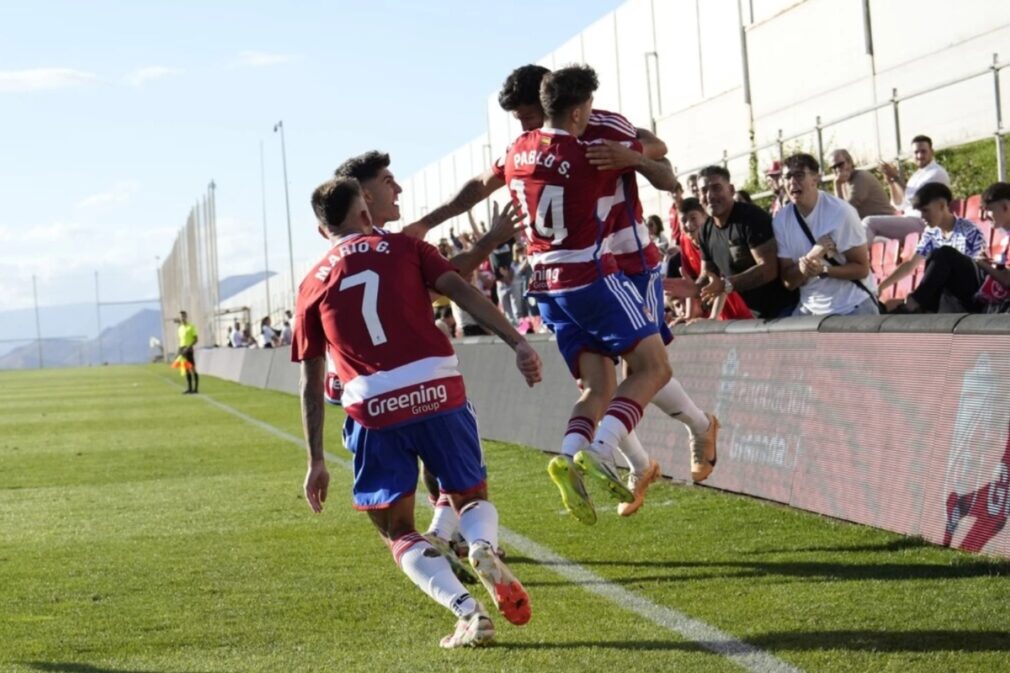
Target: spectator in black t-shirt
{"x": 738, "y": 250}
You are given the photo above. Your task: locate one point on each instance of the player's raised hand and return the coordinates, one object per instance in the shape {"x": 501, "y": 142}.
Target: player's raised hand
{"x": 528, "y": 363}
{"x": 505, "y": 224}
{"x": 613, "y": 156}
{"x": 317, "y": 483}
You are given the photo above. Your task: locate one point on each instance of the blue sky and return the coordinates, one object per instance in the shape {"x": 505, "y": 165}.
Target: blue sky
{"x": 116, "y": 115}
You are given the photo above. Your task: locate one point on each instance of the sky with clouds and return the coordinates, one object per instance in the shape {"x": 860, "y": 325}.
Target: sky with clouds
{"x": 115, "y": 116}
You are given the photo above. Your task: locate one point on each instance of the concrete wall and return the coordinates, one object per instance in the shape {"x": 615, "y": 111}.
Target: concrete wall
{"x": 900, "y": 422}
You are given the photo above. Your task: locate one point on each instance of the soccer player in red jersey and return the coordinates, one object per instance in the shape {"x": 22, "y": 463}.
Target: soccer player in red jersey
{"x": 368, "y": 301}
{"x": 634, "y": 253}
{"x": 597, "y": 314}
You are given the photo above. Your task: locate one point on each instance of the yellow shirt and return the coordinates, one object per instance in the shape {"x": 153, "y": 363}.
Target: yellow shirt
{"x": 441, "y": 302}
{"x": 187, "y": 335}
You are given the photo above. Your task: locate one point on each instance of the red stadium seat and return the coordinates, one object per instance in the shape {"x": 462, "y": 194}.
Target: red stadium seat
{"x": 891, "y": 249}
{"x": 973, "y": 208}
{"x": 957, "y": 207}
{"x": 908, "y": 246}
{"x": 876, "y": 260}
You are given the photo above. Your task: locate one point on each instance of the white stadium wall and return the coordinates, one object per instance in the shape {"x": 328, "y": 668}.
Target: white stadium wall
{"x": 678, "y": 64}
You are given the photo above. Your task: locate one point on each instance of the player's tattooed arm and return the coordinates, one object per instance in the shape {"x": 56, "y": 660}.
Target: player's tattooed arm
{"x": 504, "y": 226}
{"x": 313, "y": 372}
{"x": 472, "y": 192}
{"x": 652, "y": 146}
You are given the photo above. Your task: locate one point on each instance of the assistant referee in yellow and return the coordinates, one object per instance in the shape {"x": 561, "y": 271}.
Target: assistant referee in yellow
{"x": 188, "y": 339}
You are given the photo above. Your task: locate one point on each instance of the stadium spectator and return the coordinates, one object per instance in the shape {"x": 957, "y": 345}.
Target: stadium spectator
{"x": 952, "y": 248}
{"x": 187, "y": 341}
{"x": 289, "y": 316}
{"x": 677, "y": 194}
{"x": 943, "y": 229}
{"x": 247, "y": 337}
{"x": 445, "y": 322}
{"x": 743, "y": 196}
{"x": 773, "y": 177}
{"x": 738, "y": 250}
{"x": 236, "y": 336}
{"x": 860, "y": 188}
{"x": 654, "y": 223}
{"x": 692, "y": 186}
{"x": 903, "y": 193}
{"x": 685, "y": 291}
{"x": 268, "y": 335}
{"x": 286, "y": 332}
{"x": 822, "y": 246}
{"x": 230, "y": 329}
{"x": 994, "y": 294}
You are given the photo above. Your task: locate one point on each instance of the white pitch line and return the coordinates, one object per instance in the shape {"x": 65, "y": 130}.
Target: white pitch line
{"x": 747, "y": 656}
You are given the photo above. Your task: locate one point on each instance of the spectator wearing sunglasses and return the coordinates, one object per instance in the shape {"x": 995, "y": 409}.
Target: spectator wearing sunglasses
{"x": 863, "y": 191}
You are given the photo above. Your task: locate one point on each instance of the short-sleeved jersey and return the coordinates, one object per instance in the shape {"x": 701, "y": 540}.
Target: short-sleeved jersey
{"x": 367, "y": 303}
{"x": 629, "y": 240}
{"x": 565, "y": 203}
{"x": 187, "y": 335}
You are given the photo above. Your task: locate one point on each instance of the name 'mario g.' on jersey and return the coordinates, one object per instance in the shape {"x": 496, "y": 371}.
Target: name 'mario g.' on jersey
{"x": 565, "y": 203}
{"x": 367, "y": 300}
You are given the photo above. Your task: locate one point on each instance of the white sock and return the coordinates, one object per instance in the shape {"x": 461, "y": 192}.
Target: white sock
{"x": 620, "y": 419}
{"x": 444, "y": 521}
{"x": 431, "y": 573}
{"x": 478, "y": 520}
{"x": 577, "y": 436}
{"x": 633, "y": 451}
{"x": 674, "y": 401}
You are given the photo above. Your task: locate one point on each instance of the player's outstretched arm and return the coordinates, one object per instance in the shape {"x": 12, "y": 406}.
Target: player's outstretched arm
{"x": 317, "y": 479}
{"x": 504, "y": 226}
{"x": 652, "y": 146}
{"x": 488, "y": 316}
{"x": 473, "y": 191}
{"x": 614, "y": 156}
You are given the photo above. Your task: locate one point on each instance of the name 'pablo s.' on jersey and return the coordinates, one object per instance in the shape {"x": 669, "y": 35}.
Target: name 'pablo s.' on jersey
{"x": 566, "y": 202}
{"x": 629, "y": 239}
{"x": 367, "y": 304}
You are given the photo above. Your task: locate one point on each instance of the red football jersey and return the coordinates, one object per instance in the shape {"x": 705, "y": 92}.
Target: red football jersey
{"x": 629, "y": 240}
{"x": 367, "y": 302}
{"x": 565, "y": 203}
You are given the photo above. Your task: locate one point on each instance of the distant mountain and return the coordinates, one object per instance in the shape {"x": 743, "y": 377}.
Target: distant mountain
{"x": 125, "y": 342}
{"x": 232, "y": 285}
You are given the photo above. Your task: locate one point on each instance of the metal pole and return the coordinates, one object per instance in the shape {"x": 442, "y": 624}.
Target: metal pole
{"x": 279, "y": 126}
{"x": 648, "y": 90}
{"x": 820, "y": 142}
{"x": 38, "y": 323}
{"x": 897, "y": 131}
{"x": 161, "y": 306}
{"x": 1000, "y": 150}
{"x": 266, "y": 256}
{"x": 725, "y": 159}
{"x": 98, "y": 314}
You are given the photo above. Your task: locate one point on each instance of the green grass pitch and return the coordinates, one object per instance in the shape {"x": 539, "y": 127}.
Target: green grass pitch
{"x": 142, "y": 531}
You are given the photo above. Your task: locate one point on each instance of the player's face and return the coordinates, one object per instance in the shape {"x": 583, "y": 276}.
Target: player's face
{"x": 923, "y": 154}
{"x": 382, "y": 195}
{"x": 716, "y": 195}
{"x": 530, "y": 116}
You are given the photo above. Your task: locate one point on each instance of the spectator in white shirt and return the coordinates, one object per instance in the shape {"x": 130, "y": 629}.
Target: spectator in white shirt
{"x": 903, "y": 193}
{"x": 268, "y": 333}
{"x": 237, "y": 338}
{"x": 286, "y": 333}
{"x": 831, "y": 264}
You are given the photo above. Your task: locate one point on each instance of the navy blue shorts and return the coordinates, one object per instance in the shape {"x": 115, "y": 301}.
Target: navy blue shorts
{"x": 385, "y": 460}
{"x": 650, "y": 286}
{"x": 608, "y": 317}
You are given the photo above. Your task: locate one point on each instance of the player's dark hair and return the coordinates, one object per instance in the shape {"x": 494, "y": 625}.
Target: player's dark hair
{"x": 801, "y": 161}
{"x": 564, "y": 89}
{"x": 521, "y": 87}
{"x": 690, "y": 204}
{"x": 930, "y": 192}
{"x": 364, "y": 166}
{"x": 710, "y": 172}
{"x": 333, "y": 199}
{"x": 923, "y": 139}
{"x": 997, "y": 191}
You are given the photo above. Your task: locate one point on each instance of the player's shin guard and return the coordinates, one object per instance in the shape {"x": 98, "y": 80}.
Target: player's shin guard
{"x": 674, "y": 401}
{"x": 578, "y": 435}
{"x": 478, "y": 520}
{"x": 431, "y": 573}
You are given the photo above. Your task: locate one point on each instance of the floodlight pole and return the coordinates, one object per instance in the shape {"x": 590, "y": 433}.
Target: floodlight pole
{"x": 98, "y": 314}
{"x": 38, "y": 324}
{"x": 279, "y": 126}
{"x": 263, "y": 194}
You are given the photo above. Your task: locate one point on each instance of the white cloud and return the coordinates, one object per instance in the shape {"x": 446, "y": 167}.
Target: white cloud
{"x": 41, "y": 79}
{"x": 142, "y": 76}
{"x": 255, "y": 59}
{"x": 120, "y": 193}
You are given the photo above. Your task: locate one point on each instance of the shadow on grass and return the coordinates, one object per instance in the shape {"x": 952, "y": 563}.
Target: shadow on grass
{"x": 816, "y": 570}
{"x": 901, "y": 544}
{"x": 76, "y": 667}
{"x": 799, "y": 641}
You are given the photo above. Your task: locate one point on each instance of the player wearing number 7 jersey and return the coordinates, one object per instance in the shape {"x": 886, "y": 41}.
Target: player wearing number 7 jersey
{"x": 368, "y": 301}
{"x": 596, "y": 312}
